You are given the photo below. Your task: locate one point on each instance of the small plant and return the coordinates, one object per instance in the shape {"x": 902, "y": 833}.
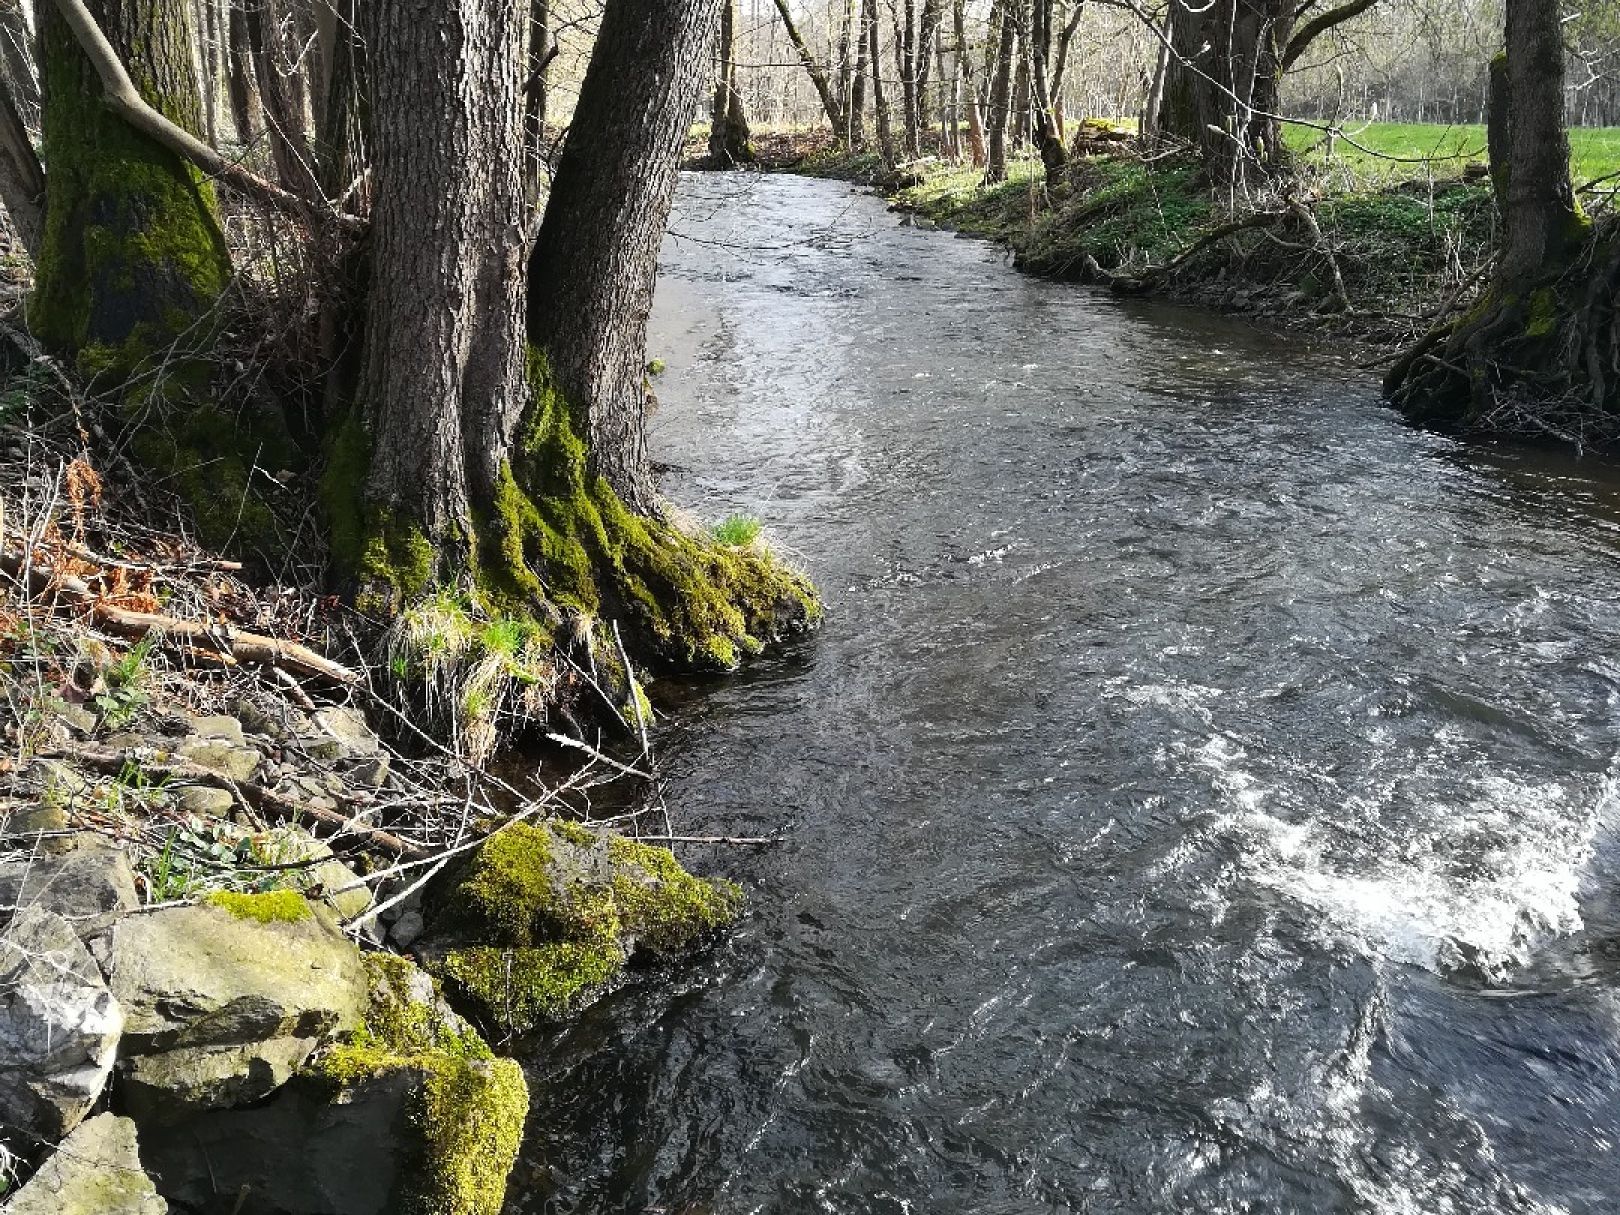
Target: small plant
{"x": 655, "y": 367}
{"x": 124, "y": 696}
{"x": 737, "y": 531}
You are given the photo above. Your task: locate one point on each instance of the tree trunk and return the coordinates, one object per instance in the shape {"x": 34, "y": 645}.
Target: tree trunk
{"x": 338, "y": 138}
{"x": 22, "y": 177}
{"x": 905, "y": 59}
{"x": 594, "y": 265}
{"x": 442, "y": 380}
{"x": 857, "y": 89}
{"x": 880, "y": 108}
{"x": 247, "y": 106}
{"x": 17, "y": 67}
{"x": 975, "y": 116}
{"x": 536, "y": 96}
{"x": 1541, "y": 222}
{"x": 132, "y": 257}
{"x": 1000, "y": 94}
{"x": 1543, "y": 342}
{"x": 273, "y": 36}
{"x": 1223, "y": 88}
{"x": 728, "y": 124}
{"x": 818, "y": 76}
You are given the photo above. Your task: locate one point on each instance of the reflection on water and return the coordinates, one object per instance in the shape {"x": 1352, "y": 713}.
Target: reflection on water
{"x": 1201, "y": 797}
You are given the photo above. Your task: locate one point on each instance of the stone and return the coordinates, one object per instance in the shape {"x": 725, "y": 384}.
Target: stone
{"x": 59, "y": 1026}
{"x": 407, "y": 930}
{"x": 227, "y": 729}
{"x": 222, "y": 756}
{"x": 370, "y": 772}
{"x": 96, "y": 1171}
{"x": 330, "y": 880}
{"x": 205, "y": 801}
{"x": 236, "y": 993}
{"x": 545, "y": 917}
{"x": 170, "y": 1086}
{"x": 347, "y": 727}
{"x": 419, "y": 1097}
{"x": 80, "y": 719}
{"x": 84, "y": 885}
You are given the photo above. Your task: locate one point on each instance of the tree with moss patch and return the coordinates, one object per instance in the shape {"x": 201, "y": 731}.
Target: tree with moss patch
{"x": 1544, "y": 330}
{"x": 133, "y": 259}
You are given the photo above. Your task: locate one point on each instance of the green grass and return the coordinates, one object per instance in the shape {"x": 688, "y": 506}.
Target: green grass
{"x": 737, "y": 531}
{"x": 1594, "y": 151}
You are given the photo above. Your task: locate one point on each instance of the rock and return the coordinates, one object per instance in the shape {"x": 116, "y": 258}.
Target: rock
{"x": 84, "y": 885}
{"x": 78, "y": 718}
{"x": 97, "y": 1171}
{"x": 220, "y": 755}
{"x": 370, "y": 772}
{"x": 330, "y": 880}
{"x": 59, "y": 1026}
{"x": 248, "y": 982}
{"x": 226, "y": 729}
{"x": 407, "y": 930}
{"x": 205, "y": 801}
{"x": 545, "y": 917}
{"x": 168, "y": 1086}
{"x": 339, "y": 734}
{"x": 419, "y": 1097}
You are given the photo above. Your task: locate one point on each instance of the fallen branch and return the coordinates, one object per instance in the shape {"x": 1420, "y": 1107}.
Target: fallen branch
{"x": 223, "y": 639}
{"x": 126, "y": 100}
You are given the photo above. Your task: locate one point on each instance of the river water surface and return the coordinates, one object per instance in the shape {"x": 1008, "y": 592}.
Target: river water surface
{"x": 1201, "y": 798}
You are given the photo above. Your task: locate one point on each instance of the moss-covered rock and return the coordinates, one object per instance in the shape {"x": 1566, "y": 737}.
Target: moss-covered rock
{"x": 468, "y": 1108}
{"x": 410, "y": 1115}
{"x": 546, "y": 916}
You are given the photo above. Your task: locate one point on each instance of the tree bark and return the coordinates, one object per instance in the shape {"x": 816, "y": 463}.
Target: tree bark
{"x": 17, "y": 68}
{"x": 880, "y": 107}
{"x": 857, "y": 88}
{"x": 595, "y": 262}
{"x": 1223, "y": 88}
{"x": 975, "y": 115}
{"x": 132, "y": 256}
{"x": 442, "y": 380}
{"x": 1540, "y": 219}
{"x": 22, "y": 177}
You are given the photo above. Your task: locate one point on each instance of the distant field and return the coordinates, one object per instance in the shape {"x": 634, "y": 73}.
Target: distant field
{"x": 1595, "y": 151}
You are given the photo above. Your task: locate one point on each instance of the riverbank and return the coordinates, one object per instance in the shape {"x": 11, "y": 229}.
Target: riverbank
{"x": 258, "y": 925}
{"x": 1377, "y": 259}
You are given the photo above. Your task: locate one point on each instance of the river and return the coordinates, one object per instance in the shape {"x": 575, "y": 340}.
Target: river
{"x": 1201, "y": 797}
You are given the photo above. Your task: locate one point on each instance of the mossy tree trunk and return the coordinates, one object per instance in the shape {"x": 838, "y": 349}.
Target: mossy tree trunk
{"x": 1538, "y": 352}
{"x": 595, "y": 261}
{"x": 133, "y": 259}
{"x": 442, "y": 377}
{"x": 728, "y": 122}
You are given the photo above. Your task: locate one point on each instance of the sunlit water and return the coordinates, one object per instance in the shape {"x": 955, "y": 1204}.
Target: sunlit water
{"x": 1198, "y": 800}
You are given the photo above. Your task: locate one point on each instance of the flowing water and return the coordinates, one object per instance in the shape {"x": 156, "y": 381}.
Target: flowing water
{"x": 1201, "y": 798}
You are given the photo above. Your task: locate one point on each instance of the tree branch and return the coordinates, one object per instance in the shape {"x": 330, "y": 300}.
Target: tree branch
{"x": 1319, "y": 25}
{"x": 126, "y": 101}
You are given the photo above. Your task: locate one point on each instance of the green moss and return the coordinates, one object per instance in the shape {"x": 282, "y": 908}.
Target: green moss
{"x": 522, "y": 988}
{"x": 1542, "y": 320}
{"x": 468, "y": 1109}
{"x": 551, "y": 912}
{"x": 271, "y": 907}
{"x": 557, "y": 532}
{"x": 663, "y": 905}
